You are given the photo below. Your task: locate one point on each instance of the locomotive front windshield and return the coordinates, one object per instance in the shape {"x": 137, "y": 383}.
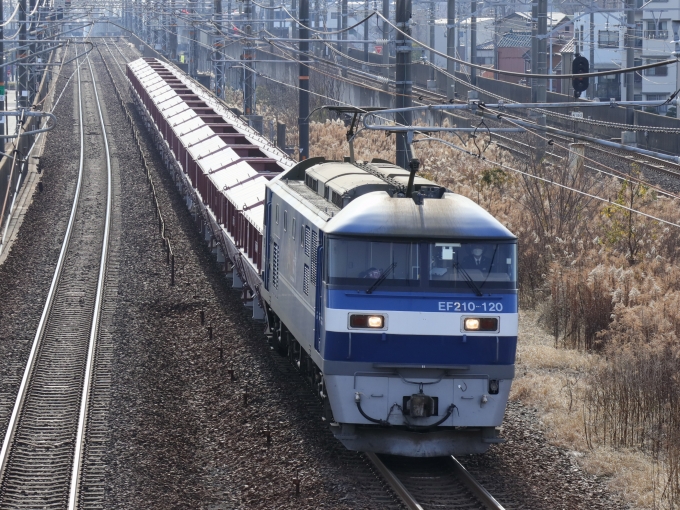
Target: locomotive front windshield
{"x": 460, "y": 266}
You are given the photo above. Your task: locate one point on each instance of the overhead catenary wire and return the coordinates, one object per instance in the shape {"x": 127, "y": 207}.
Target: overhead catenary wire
{"x": 280, "y": 48}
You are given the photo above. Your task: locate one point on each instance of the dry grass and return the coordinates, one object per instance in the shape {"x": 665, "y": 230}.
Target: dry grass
{"x": 601, "y": 292}
{"x": 555, "y": 381}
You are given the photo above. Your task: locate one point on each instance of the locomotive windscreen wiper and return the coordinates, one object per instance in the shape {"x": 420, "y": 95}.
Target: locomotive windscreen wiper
{"x": 468, "y": 279}
{"x": 381, "y": 278}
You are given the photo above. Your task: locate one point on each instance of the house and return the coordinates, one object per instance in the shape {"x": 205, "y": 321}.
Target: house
{"x": 655, "y": 34}
{"x": 512, "y": 50}
{"x": 485, "y": 32}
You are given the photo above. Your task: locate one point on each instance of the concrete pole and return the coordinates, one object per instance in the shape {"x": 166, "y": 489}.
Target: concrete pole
{"x": 303, "y": 121}
{"x": 403, "y": 80}
{"x": 173, "y": 32}
{"x": 473, "y": 41}
{"x": 338, "y": 26}
{"x": 432, "y": 19}
{"x": 630, "y": 59}
{"x": 366, "y": 7}
{"x": 317, "y": 47}
{"x": 541, "y": 64}
{"x": 451, "y": 46}
{"x": 534, "y": 50}
{"x": 22, "y": 75}
{"x": 294, "y": 25}
{"x": 344, "y": 47}
{"x": 249, "y": 77}
{"x": 591, "y": 88}
{"x": 3, "y": 72}
{"x": 386, "y": 35}
{"x": 675, "y": 24}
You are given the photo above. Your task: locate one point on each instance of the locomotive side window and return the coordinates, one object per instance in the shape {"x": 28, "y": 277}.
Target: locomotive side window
{"x": 276, "y": 215}
{"x": 292, "y": 229}
{"x": 285, "y": 220}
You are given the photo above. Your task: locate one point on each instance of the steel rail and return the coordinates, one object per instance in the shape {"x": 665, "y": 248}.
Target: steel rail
{"x": 394, "y": 482}
{"x": 462, "y": 474}
{"x": 473, "y": 485}
{"x": 94, "y": 331}
{"x": 23, "y": 388}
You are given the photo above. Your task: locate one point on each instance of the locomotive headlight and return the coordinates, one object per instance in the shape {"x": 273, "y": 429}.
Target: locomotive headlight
{"x": 366, "y": 321}
{"x": 480, "y": 324}
{"x": 376, "y": 321}
{"x": 471, "y": 324}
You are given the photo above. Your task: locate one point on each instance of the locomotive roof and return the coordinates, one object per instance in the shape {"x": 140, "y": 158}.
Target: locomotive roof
{"x": 377, "y": 214}
{"x": 372, "y": 203}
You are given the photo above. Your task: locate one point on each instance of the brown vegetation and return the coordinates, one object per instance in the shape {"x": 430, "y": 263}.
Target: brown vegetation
{"x": 604, "y": 282}
{"x": 604, "y": 279}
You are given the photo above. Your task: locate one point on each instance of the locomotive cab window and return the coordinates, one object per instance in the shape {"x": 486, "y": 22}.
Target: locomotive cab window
{"x": 472, "y": 264}
{"x": 355, "y": 262}
{"x": 440, "y": 266}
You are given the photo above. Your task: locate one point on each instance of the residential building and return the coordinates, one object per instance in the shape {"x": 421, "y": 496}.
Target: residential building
{"x": 485, "y": 33}
{"x": 655, "y": 28}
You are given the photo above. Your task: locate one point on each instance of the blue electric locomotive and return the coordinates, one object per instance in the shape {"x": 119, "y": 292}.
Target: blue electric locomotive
{"x": 403, "y": 311}
{"x": 400, "y": 307}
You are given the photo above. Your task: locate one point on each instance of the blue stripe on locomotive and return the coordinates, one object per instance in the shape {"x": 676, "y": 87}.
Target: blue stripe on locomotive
{"x": 420, "y": 349}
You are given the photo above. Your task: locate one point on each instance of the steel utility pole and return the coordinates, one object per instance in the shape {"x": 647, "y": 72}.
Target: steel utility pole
{"x": 217, "y": 55}
{"x": 630, "y": 59}
{"x": 473, "y": 41}
{"x": 403, "y": 82}
{"x": 451, "y": 47}
{"x": 303, "y": 121}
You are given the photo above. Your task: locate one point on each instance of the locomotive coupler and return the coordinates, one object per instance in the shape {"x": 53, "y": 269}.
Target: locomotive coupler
{"x": 420, "y": 405}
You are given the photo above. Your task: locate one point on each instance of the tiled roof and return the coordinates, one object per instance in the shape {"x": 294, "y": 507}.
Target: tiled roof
{"x": 488, "y": 45}
{"x": 570, "y": 47}
{"x": 515, "y": 40}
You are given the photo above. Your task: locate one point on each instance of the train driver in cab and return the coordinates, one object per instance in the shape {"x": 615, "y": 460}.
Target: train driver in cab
{"x": 477, "y": 259}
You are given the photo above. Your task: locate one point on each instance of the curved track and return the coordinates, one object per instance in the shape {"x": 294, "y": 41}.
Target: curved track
{"x": 40, "y": 460}
{"x": 441, "y": 482}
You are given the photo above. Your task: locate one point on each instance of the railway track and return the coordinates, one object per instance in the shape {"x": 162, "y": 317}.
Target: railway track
{"x": 427, "y": 484}
{"x": 45, "y": 443}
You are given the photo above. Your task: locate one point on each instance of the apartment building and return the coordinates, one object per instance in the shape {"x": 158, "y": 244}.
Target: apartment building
{"x": 654, "y": 35}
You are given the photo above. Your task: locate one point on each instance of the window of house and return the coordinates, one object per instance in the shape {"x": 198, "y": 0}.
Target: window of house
{"x": 656, "y": 29}
{"x": 656, "y": 71}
